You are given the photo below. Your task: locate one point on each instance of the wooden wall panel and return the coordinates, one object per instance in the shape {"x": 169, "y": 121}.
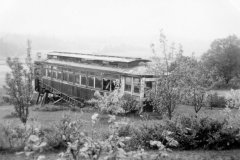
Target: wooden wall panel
{"x": 71, "y": 90}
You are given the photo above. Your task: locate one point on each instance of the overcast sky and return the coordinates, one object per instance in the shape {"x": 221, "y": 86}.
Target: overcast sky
{"x": 194, "y": 23}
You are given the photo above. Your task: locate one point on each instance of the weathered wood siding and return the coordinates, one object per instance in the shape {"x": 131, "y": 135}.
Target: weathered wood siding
{"x": 71, "y": 90}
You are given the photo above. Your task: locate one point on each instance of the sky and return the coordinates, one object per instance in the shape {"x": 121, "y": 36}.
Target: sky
{"x": 103, "y": 23}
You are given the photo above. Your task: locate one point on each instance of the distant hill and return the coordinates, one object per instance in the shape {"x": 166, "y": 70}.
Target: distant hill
{"x": 10, "y": 48}
{"x": 15, "y": 45}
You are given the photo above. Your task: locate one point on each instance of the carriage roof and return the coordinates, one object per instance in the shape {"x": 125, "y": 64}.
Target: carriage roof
{"x": 140, "y": 68}
{"x": 137, "y": 70}
{"x": 97, "y": 57}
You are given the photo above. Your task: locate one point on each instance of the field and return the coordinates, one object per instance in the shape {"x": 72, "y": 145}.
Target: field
{"x": 48, "y": 117}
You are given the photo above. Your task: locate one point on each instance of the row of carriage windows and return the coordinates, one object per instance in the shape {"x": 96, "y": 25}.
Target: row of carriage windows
{"x": 131, "y": 84}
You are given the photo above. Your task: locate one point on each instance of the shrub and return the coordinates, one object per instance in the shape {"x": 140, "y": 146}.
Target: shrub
{"x": 204, "y": 132}
{"x": 58, "y": 134}
{"x": 115, "y": 103}
{"x": 14, "y": 137}
{"x": 130, "y": 104}
{"x": 233, "y": 99}
{"x": 111, "y": 103}
{"x": 233, "y": 84}
{"x": 215, "y": 101}
{"x": 143, "y": 133}
{"x": 191, "y": 132}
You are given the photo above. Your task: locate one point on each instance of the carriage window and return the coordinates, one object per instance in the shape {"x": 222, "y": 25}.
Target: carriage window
{"x": 77, "y": 78}
{"x": 59, "y": 75}
{"x": 149, "y": 85}
{"x": 71, "y": 77}
{"x": 54, "y": 74}
{"x": 65, "y": 76}
{"x": 128, "y": 84}
{"x": 91, "y": 81}
{"x": 49, "y": 72}
{"x": 106, "y": 84}
{"x": 136, "y": 85}
{"x": 112, "y": 85}
{"x": 83, "y": 80}
{"x": 98, "y": 82}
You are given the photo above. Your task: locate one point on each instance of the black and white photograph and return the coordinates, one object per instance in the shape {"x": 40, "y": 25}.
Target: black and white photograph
{"x": 119, "y": 79}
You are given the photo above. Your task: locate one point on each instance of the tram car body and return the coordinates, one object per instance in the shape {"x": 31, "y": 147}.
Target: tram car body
{"x": 79, "y": 75}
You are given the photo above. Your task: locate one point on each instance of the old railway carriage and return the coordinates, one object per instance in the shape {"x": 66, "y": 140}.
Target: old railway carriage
{"x": 75, "y": 76}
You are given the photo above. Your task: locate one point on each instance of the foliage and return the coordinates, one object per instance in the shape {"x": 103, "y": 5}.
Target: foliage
{"x": 233, "y": 98}
{"x": 184, "y": 79}
{"x": 128, "y": 140}
{"x": 35, "y": 145}
{"x": 115, "y": 103}
{"x": 147, "y": 131}
{"x": 194, "y": 80}
{"x": 216, "y": 101}
{"x": 205, "y": 132}
{"x": 28, "y": 137}
{"x": 3, "y": 97}
{"x": 166, "y": 95}
{"x": 115, "y": 146}
{"x": 198, "y": 100}
{"x": 19, "y": 86}
{"x": 59, "y": 133}
{"x": 224, "y": 57}
{"x": 220, "y": 131}
{"x": 221, "y": 85}
{"x": 129, "y": 103}
{"x": 110, "y": 103}
{"x": 13, "y": 137}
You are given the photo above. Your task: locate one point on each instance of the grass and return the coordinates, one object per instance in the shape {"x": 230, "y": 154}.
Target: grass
{"x": 46, "y": 118}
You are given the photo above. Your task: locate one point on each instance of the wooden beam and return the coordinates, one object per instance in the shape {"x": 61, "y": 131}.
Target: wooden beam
{"x": 38, "y": 97}
{"x": 43, "y": 99}
{"x": 58, "y": 100}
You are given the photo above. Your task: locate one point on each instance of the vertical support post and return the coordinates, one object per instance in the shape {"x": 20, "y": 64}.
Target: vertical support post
{"x": 38, "y": 97}
{"x": 122, "y": 84}
{"x": 132, "y": 86}
{"x": 141, "y": 96}
{"x": 43, "y": 99}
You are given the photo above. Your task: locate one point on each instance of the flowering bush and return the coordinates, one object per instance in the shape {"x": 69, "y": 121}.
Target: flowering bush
{"x": 110, "y": 103}
{"x": 115, "y": 103}
{"x": 35, "y": 144}
{"x": 206, "y": 132}
{"x": 113, "y": 147}
{"x": 58, "y": 134}
{"x": 13, "y": 136}
{"x": 216, "y": 101}
{"x": 28, "y": 138}
{"x": 234, "y": 99}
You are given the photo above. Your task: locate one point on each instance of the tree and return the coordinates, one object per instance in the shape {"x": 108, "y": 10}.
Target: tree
{"x": 167, "y": 93}
{"x": 19, "y": 85}
{"x": 224, "y": 56}
{"x": 194, "y": 80}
